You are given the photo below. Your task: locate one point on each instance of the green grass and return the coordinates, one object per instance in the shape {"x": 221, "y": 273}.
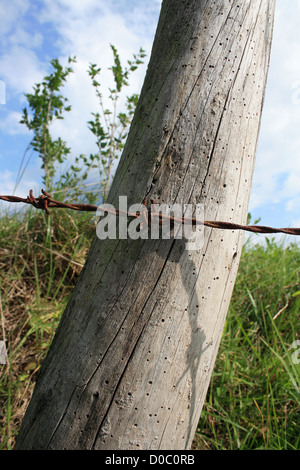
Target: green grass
{"x": 253, "y": 398}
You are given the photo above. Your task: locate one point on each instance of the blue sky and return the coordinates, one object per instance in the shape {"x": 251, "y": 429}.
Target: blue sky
{"x": 34, "y": 32}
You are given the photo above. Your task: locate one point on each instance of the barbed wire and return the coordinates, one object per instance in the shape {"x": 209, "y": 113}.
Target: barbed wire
{"x": 45, "y": 201}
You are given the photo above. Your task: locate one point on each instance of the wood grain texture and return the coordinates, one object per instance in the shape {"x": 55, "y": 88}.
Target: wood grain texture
{"x": 132, "y": 358}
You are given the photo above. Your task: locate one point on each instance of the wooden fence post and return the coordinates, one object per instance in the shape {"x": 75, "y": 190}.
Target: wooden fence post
{"x": 132, "y": 358}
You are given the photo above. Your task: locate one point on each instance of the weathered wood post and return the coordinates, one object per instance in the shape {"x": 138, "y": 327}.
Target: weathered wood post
{"x": 132, "y": 357}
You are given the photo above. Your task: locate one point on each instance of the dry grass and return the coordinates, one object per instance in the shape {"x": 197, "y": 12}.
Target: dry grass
{"x": 40, "y": 260}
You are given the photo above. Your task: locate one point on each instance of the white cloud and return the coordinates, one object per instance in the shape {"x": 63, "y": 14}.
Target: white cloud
{"x": 291, "y": 185}
{"x": 11, "y": 12}
{"x": 296, "y": 223}
{"x": 22, "y": 37}
{"x": 8, "y": 183}
{"x": 11, "y": 125}
{"x": 20, "y": 69}
{"x": 277, "y": 172}
{"x": 86, "y": 29}
{"x": 293, "y": 205}
{"x": 19, "y": 66}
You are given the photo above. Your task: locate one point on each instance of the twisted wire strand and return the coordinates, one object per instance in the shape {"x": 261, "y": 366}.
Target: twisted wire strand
{"x": 45, "y": 201}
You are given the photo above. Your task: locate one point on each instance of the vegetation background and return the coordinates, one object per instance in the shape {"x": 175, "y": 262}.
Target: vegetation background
{"x": 253, "y": 400}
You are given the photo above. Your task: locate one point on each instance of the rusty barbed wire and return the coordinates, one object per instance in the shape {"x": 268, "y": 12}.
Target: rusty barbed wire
{"x": 45, "y": 201}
